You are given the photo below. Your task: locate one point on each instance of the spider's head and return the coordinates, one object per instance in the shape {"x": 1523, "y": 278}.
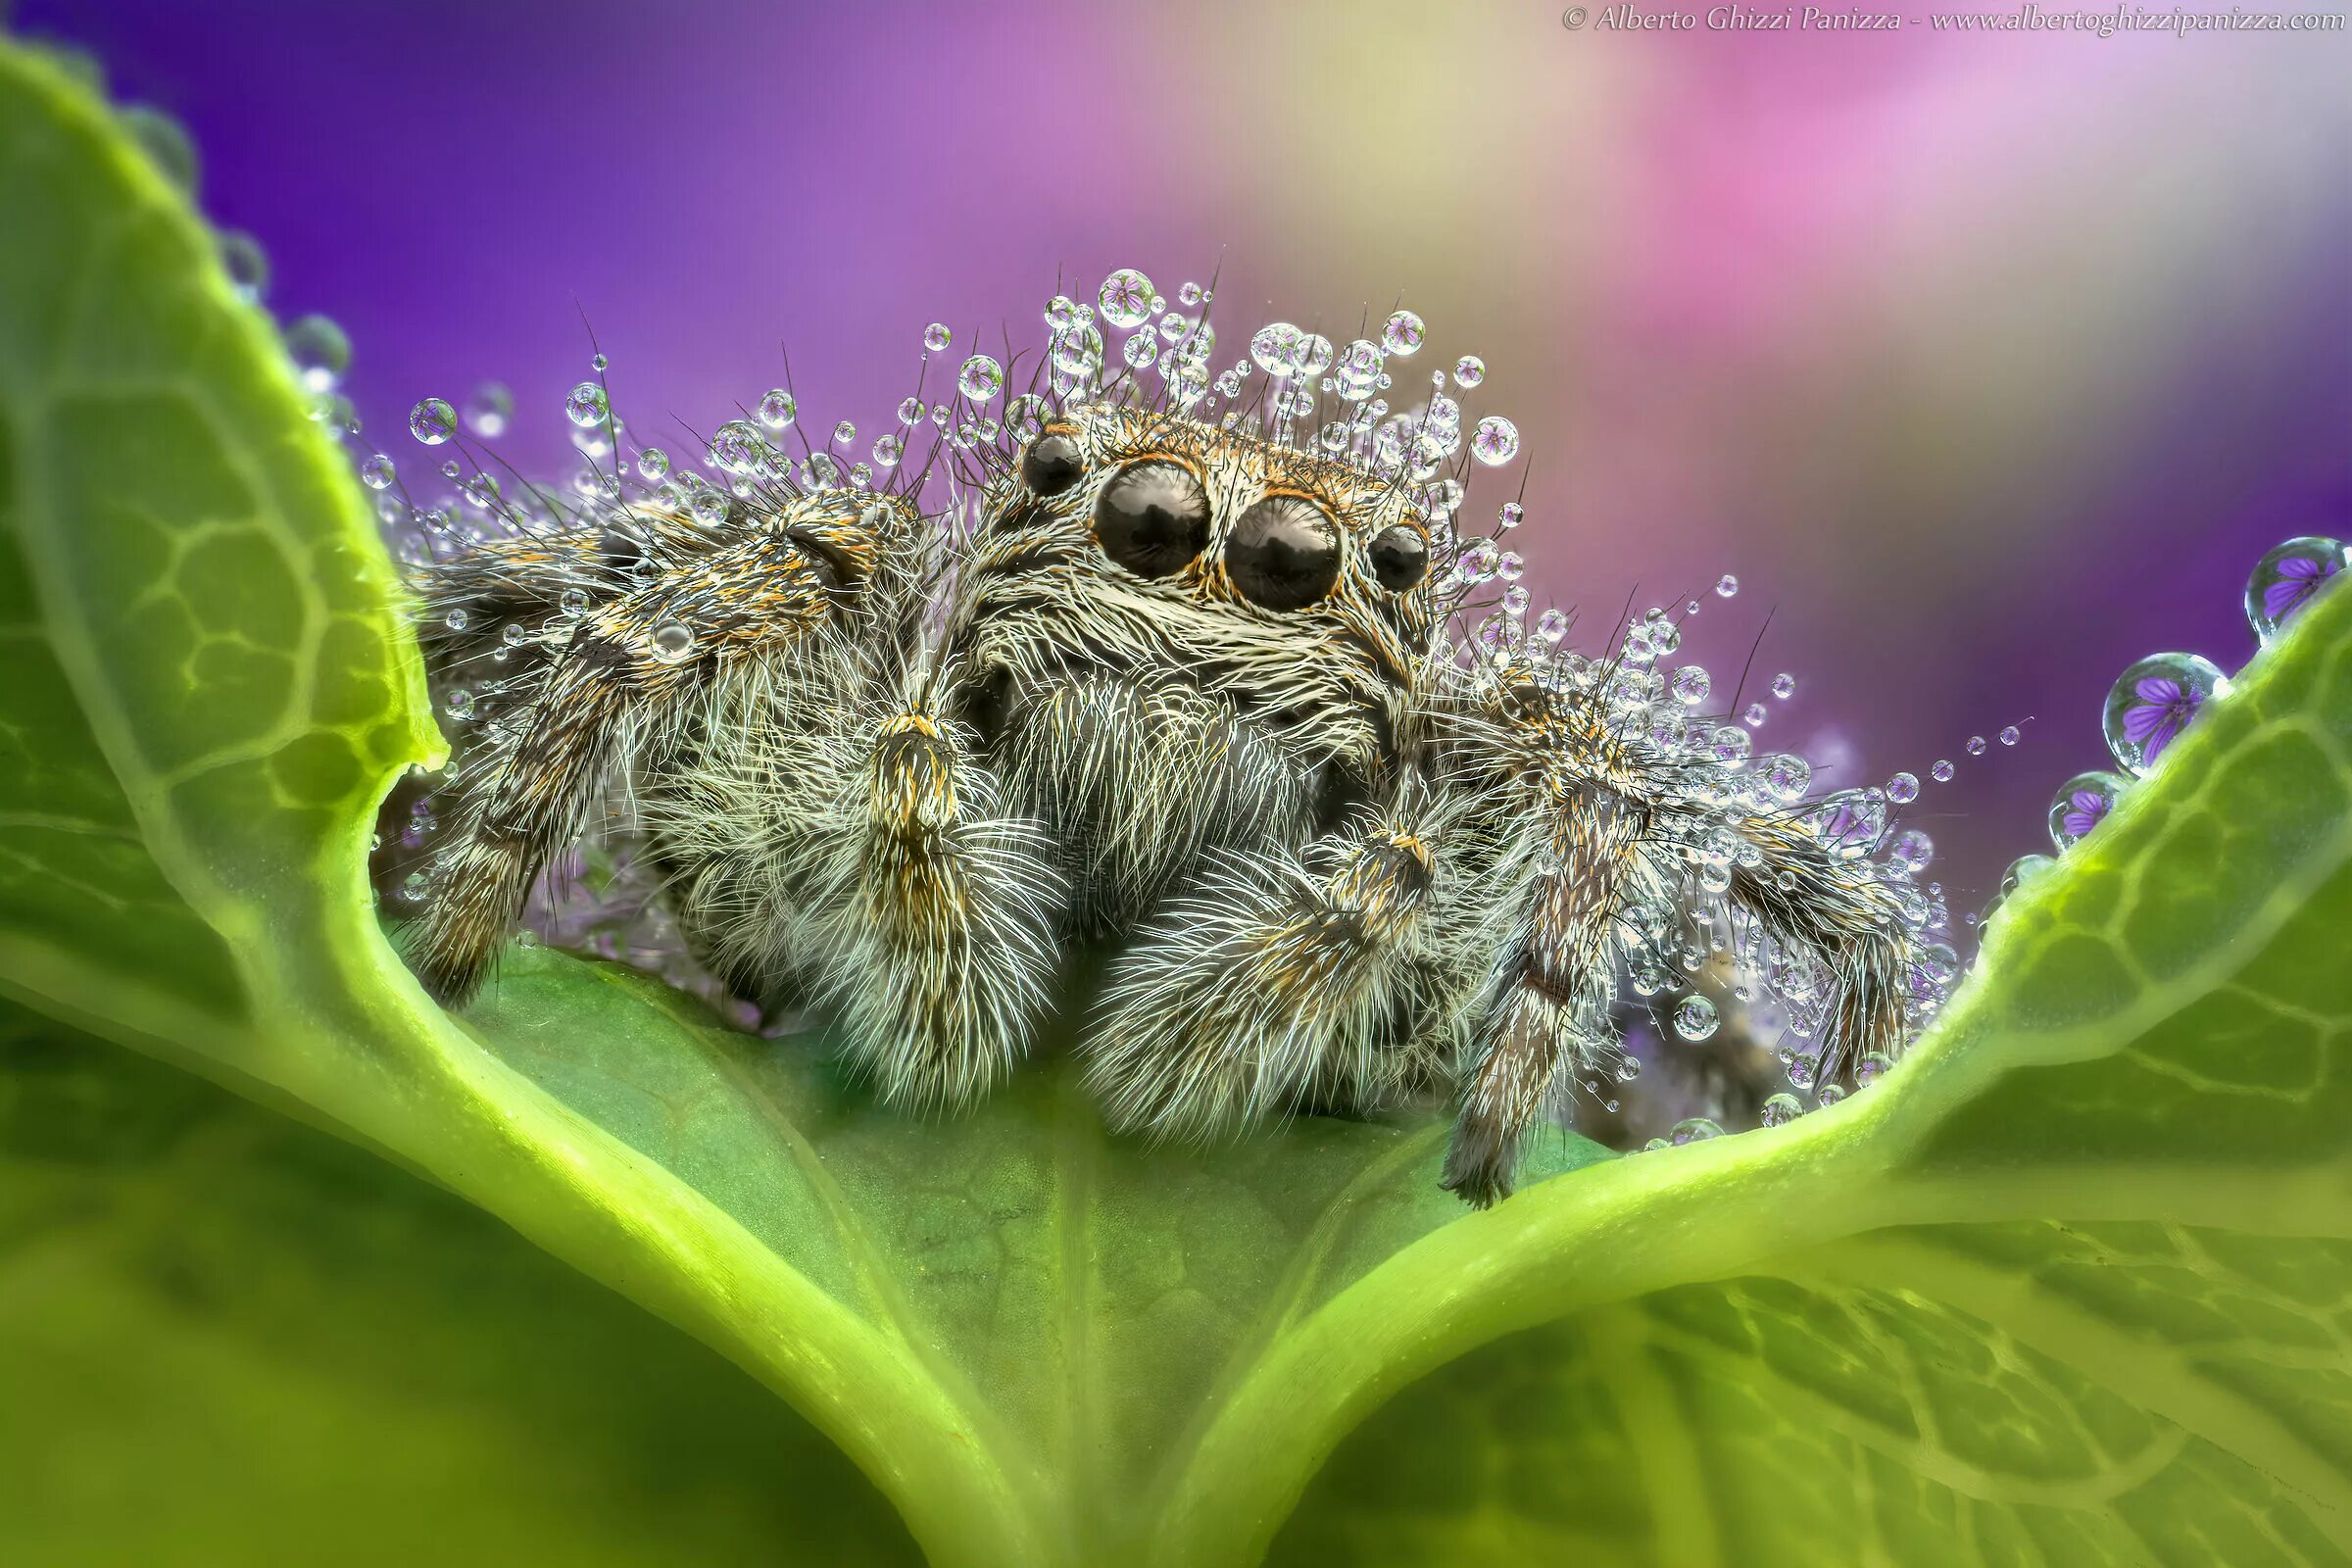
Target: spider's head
{"x": 1288, "y": 589}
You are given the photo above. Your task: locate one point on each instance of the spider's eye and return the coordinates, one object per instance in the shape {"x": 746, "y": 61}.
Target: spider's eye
{"x": 1283, "y": 553}
{"x": 1053, "y": 464}
{"x": 1399, "y": 557}
{"x": 1153, "y": 518}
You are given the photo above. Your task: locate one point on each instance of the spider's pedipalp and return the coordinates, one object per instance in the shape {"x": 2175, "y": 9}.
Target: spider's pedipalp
{"x": 1272, "y": 986}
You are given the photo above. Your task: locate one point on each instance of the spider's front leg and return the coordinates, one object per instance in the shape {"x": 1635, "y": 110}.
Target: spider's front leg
{"x": 1547, "y": 1007}
{"x": 1273, "y": 983}
{"x": 622, "y": 682}
{"x": 940, "y": 916}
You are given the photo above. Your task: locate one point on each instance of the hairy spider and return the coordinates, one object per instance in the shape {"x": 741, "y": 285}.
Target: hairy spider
{"x": 1193, "y": 687}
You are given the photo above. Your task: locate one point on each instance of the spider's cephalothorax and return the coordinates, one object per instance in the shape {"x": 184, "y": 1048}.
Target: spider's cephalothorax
{"x": 1184, "y": 690}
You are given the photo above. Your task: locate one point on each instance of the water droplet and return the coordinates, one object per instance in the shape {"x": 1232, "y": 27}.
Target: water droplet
{"x": 1689, "y": 685}
{"x": 1784, "y": 686}
{"x": 1788, "y": 776}
{"x": 1942, "y": 772}
{"x": 1696, "y": 1130}
{"x": 1495, "y": 440}
{"x": 459, "y": 704}
{"x": 165, "y": 143}
{"x": 2153, "y": 701}
{"x": 574, "y": 601}
{"x": 1830, "y": 1095}
{"x": 586, "y": 406}
{"x": 1403, "y": 334}
{"x": 1903, "y": 788}
{"x": 778, "y": 409}
{"x": 1469, "y": 370}
{"x": 844, "y": 433}
{"x": 981, "y": 378}
{"x": 1755, "y": 715}
{"x": 2287, "y": 578}
{"x": 653, "y": 465}
{"x": 672, "y": 641}
{"x": 1552, "y": 625}
{"x": 1974, "y": 746}
{"x": 246, "y": 264}
{"x": 2011, "y": 735}
{"x": 1911, "y": 851}
{"x": 1125, "y": 297}
{"x": 1695, "y": 1019}
{"x": 2083, "y": 803}
{"x": 1781, "y": 1109}
{"x": 737, "y": 447}
{"x": 488, "y": 410}
{"x": 2021, "y": 870}
{"x": 320, "y": 351}
{"x": 432, "y": 422}
{"x": 937, "y": 337}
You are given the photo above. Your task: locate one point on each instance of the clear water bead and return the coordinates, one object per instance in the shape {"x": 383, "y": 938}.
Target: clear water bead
{"x": 1510, "y": 516}
{"x": 1974, "y": 746}
{"x": 1942, "y": 772}
{"x": 1689, "y": 685}
{"x": 432, "y": 422}
{"x": 937, "y": 337}
{"x": 574, "y": 601}
{"x": 586, "y": 406}
{"x": 488, "y": 410}
{"x": 376, "y": 472}
{"x": 2287, "y": 578}
{"x": 1403, "y": 334}
{"x": 1784, "y": 686}
{"x": 653, "y": 465}
{"x": 1695, "y": 1019}
{"x": 2083, "y": 803}
{"x": 778, "y": 409}
{"x": 672, "y": 641}
{"x": 1780, "y": 1109}
{"x": 2153, "y": 701}
{"x": 2011, "y": 735}
{"x": 1755, "y": 715}
{"x": 1126, "y": 298}
{"x": 321, "y": 352}
{"x": 1903, "y": 788}
{"x": 980, "y": 379}
{"x": 1469, "y": 370}
{"x": 1696, "y": 1130}
{"x": 844, "y": 433}
{"x": 1726, "y": 587}
{"x": 1786, "y": 776}
{"x": 1495, "y": 441}
{"x": 246, "y": 264}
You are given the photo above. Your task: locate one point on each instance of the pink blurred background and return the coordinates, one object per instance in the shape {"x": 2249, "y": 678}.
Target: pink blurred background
{"x": 1988, "y": 364}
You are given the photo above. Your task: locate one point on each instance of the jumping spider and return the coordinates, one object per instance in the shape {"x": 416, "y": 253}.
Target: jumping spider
{"x": 1188, "y": 689}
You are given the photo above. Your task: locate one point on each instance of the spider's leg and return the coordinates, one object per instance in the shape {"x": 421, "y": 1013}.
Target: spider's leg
{"x": 1808, "y": 891}
{"x": 1267, "y": 985}
{"x": 938, "y": 918}
{"x": 623, "y": 679}
{"x": 1547, "y": 1009}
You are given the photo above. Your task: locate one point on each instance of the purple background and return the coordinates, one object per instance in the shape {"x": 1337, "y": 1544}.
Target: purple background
{"x": 1993, "y": 362}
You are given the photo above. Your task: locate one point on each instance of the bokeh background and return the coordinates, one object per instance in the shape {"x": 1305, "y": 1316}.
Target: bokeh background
{"x": 1988, "y": 364}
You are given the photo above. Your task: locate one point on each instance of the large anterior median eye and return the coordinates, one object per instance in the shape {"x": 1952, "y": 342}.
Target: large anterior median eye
{"x": 1153, "y": 518}
{"x": 1284, "y": 553}
{"x": 1053, "y": 464}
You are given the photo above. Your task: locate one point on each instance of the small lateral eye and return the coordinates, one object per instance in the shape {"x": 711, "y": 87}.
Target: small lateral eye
{"x": 1399, "y": 557}
{"x": 1152, "y": 517}
{"x": 1283, "y": 553}
{"x": 1053, "y": 464}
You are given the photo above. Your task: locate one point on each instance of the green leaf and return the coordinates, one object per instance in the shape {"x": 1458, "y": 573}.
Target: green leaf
{"x": 2069, "y": 1281}
{"x": 226, "y": 1338}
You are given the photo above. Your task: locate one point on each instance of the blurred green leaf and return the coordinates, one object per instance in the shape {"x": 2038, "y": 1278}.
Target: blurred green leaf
{"x": 226, "y": 1338}
{"x": 2072, "y": 1276}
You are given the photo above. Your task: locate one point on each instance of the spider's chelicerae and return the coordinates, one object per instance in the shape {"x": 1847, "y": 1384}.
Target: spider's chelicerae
{"x": 1161, "y": 675}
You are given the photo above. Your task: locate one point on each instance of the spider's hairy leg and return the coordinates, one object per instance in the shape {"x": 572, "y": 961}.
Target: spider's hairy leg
{"x": 1269, "y": 985}
{"x": 623, "y": 677}
{"x": 1547, "y": 1009}
{"x": 942, "y": 957}
{"x": 1810, "y": 893}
